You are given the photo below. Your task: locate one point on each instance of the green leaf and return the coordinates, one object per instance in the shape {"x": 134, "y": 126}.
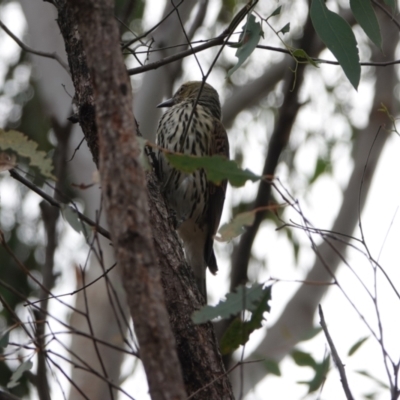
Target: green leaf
{"x": 303, "y": 359}
{"x": 248, "y": 41}
{"x": 371, "y": 396}
{"x": 321, "y": 371}
{"x": 217, "y": 168}
{"x": 337, "y": 35}
{"x": 277, "y": 11}
{"x": 357, "y": 345}
{"x": 243, "y": 298}
{"x": 285, "y": 29}
{"x": 272, "y": 367}
{"x": 365, "y": 16}
{"x": 311, "y": 333}
{"x": 322, "y": 165}
{"x": 379, "y": 382}
{"x": 237, "y": 334}
{"x": 239, "y": 331}
{"x": 235, "y": 228}
{"x": 301, "y": 55}
{"x": 24, "y": 147}
{"x": 391, "y": 3}
{"x": 25, "y": 366}
{"x": 4, "y": 340}
{"x": 72, "y": 218}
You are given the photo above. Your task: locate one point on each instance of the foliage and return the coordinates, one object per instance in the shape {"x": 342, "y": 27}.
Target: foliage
{"x": 243, "y": 298}
{"x": 338, "y": 36}
{"x": 238, "y": 332}
{"x": 16, "y": 376}
{"x": 235, "y": 227}
{"x": 24, "y": 147}
{"x": 218, "y": 168}
{"x": 248, "y": 40}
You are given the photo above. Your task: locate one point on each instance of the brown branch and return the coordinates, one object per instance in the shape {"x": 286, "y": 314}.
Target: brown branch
{"x": 391, "y": 17}
{"x": 197, "y": 346}
{"x": 50, "y": 217}
{"x": 219, "y": 40}
{"x": 124, "y": 188}
{"x": 335, "y": 356}
{"x": 26, "y": 48}
{"x": 277, "y": 144}
{"x": 57, "y": 204}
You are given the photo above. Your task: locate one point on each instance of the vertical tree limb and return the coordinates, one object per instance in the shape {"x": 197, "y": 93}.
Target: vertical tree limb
{"x": 196, "y": 344}
{"x": 124, "y": 189}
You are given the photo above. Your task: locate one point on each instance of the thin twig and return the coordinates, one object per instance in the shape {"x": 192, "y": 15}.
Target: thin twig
{"x": 219, "y": 40}
{"x": 55, "y": 203}
{"x": 335, "y": 356}
{"x": 28, "y": 49}
{"x": 387, "y": 13}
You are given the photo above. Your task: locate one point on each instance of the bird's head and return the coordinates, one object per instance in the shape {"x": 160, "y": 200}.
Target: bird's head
{"x": 189, "y": 91}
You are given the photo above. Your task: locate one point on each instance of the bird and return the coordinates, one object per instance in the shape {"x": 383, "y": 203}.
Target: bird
{"x": 194, "y": 202}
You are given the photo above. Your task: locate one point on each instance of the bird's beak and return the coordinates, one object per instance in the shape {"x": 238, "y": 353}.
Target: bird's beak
{"x": 167, "y": 103}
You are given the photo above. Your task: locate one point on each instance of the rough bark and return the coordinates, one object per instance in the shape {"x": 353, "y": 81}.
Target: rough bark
{"x": 54, "y": 90}
{"x": 204, "y": 373}
{"x": 124, "y": 188}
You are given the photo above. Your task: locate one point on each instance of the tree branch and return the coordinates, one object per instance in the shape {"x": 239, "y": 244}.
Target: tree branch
{"x": 335, "y": 356}
{"x": 26, "y": 48}
{"x": 57, "y": 204}
{"x": 125, "y": 197}
{"x": 297, "y": 318}
{"x": 197, "y": 347}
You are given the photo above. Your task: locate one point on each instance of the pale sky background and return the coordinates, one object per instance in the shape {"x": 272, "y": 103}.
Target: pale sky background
{"x": 380, "y": 222}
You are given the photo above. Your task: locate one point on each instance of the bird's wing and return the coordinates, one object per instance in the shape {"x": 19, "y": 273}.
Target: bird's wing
{"x": 219, "y": 146}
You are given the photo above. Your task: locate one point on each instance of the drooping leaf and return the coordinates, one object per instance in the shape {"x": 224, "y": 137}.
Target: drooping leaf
{"x": 321, "y": 371}
{"x": 322, "y": 165}
{"x": 24, "y": 147}
{"x": 337, "y": 35}
{"x": 311, "y": 333}
{"x": 239, "y": 331}
{"x": 303, "y": 359}
{"x": 25, "y": 366}
{"x": 277, "y": 11}
{"x": 218, "y": 168}
{"x": 72, "y": 218}
{"x": 272, "y": 367}
{"x": 392, "y": 4}
{"x": 357, "y": 345}
{"x": 243, "y": 298}
{"x": 248, "y": 41}
{"x": 235, "y": 228}
{"x": 4, "y": 340}
{"x": 373, "y": 378}
{"x": 285, "y": 29}
{"x": 365, "y": 16}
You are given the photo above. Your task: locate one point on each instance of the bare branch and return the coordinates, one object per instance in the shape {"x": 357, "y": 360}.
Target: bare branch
{"x": 124, "y": 188}
{"x": 335, "y": 356}
{"x": 219, "y": 40}
{"x": 57, "y": 204}
{"x": 26, "y": 48}
{"x": 297, "y": 318}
